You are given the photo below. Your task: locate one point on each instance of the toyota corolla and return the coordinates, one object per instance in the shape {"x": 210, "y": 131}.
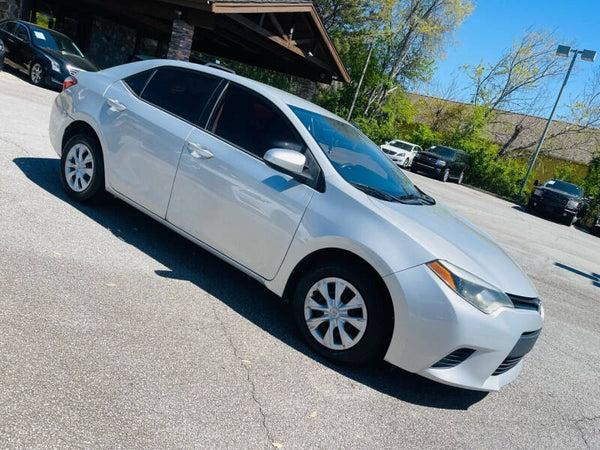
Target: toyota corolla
{"x": 302, "y": 201}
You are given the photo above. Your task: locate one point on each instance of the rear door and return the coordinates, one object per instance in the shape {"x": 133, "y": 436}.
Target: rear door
{"x": 226, "y": 195}
{"x": 21, "y": 46}
{"x": 146, "y": 120}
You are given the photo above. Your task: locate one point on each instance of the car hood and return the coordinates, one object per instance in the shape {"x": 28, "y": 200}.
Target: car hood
{"x": 395, "y": 149}
{"x": 74, "y": 60}
{"x": 434, "y": 155}
{"x": 446, "y": 235}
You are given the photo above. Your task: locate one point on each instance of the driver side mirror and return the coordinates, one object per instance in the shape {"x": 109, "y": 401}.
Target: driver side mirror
{"x": 536, "y": 183}
{"x": 290, "y": 161}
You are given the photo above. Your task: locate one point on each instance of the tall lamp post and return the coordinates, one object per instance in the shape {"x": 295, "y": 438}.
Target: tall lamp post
{"x": 562, "y": 50}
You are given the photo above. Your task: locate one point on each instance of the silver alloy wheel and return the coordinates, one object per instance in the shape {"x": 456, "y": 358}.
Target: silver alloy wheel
{"x": 446, "y": 175}
{"x": 36, "y": 73}
{"x": 335, "y": 313}
{"x": 460, "y": 178}
{"x": 79, "y": 167}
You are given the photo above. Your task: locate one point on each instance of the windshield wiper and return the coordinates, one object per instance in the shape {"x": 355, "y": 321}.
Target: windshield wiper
{"x": 406, "y": 199}
{"x": 369, "y": 190}
{"x": 425, "y": 198}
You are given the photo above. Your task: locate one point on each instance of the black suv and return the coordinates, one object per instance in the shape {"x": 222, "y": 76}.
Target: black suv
{"x": 442, "y": 162}
{"x": 46, "y": 56}
{"x": 558, "y": 199}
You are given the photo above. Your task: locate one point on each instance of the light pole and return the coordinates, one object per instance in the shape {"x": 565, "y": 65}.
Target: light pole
{"x": 562, "y": 50}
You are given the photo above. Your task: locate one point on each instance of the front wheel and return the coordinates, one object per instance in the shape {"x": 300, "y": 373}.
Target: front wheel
{"x": 36, "y": 74}
{"x": 460, "y": 178}
{"x": 570, "y": 220}
{"x": 342, "y": 313}
{"x": 445, "y": 175}
{"x": 82, "y": 168}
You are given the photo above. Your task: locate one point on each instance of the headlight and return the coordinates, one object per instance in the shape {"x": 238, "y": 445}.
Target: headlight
{"x": 473, "y": 289}
{"x": 537, "y": 192}
{"x": 572, "y": 204}
{"x": 440, "y": 163}
{"x": 54, "y": 63}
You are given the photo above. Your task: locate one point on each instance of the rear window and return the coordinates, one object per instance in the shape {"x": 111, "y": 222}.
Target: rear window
{"x": 182, "y": 92}
{"x": 137, "y": 82}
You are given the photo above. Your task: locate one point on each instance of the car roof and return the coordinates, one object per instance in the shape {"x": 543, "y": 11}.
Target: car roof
{"x": 450, "y": 148}
{"x": 41, "y": 28}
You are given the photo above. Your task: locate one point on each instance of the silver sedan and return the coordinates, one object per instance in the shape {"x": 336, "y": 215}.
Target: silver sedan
{"x": 302, "y": 201}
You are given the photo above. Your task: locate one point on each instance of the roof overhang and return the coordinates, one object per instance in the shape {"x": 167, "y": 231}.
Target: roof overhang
{"x": 285, "y": 36}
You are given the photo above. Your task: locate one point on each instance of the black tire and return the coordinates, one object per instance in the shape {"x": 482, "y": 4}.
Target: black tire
{"x": 37, "y": 74}
{"x": 445, "y": 175}
{"x": 379, "y": 313}
{"x": 570, "y": 220}
{"x": 95, "y": 181}
{"x": 529, "y": 208}
{"x": 460, "y": 178}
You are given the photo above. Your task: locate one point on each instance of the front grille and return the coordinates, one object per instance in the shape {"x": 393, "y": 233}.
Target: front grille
{"x": 389, "y": 152}
{"x": 532, "y": 304}
{"x": 507, "y": 364}
{"x": 454, "y": 358}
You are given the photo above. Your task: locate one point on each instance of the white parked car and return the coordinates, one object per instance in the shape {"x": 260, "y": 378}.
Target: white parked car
{"x": 401, "y": 152}
{"x": 303, "y": 202}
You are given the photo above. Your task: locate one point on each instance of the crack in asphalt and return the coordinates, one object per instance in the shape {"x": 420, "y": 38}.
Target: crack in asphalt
{"x": 581, "y": 432}
{"x": 248, "y": 377}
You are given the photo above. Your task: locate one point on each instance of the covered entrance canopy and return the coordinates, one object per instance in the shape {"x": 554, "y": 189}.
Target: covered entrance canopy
{"x": 283, "y": 35}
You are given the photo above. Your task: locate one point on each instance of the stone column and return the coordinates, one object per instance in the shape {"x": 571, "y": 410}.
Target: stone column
{"x": 9, "y": 9}
{"x": 180, "y": 47}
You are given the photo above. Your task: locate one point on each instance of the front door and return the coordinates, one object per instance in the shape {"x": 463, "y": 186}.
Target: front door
{"x": 146, "y": 131}
{"x": 226, "y": 195}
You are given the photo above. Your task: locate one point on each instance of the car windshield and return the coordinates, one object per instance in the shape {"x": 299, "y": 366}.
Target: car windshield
{"x": 54, "y": 41}
{"x": 444, "y": 152}
{"x": 358, "y": 160}
{"x": 402, "y": 145}
{"x": 564, "y": 187}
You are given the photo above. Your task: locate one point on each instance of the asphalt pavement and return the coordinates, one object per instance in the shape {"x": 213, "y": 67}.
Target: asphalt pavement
{"x": 115, "y": 332}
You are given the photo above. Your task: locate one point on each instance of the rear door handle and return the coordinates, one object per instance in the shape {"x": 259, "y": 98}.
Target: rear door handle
{"x": 116, "y": 105}
{"x": 198, "y": 151}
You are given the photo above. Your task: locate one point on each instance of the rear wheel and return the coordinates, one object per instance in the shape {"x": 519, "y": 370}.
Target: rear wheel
{"x": 460, "y": 178}
{"x": 342, "y": 313}
{"x": 82, "y": 168}
{"x": 36, "y": 74}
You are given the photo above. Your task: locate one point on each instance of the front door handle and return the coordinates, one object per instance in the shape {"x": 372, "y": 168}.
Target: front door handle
{"x": 198, "y": 151}
{"x": 116, "y": 105}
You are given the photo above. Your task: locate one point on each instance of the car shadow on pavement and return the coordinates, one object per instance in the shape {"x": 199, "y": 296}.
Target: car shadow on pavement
{"x": 239, "y": 292}
{"x": 592, "y": 276}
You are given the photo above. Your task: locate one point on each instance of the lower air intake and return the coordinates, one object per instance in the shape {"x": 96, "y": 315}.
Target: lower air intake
{"x": 454, "y": 358}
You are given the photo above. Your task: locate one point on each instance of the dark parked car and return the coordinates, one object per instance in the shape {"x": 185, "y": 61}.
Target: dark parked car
{"x": 1, "y": 55}
{"x": 46, "y": 56}
{"x": 442, "y": 162}
{"x": 596, "y": 226}
{"x": 558, "y": 199}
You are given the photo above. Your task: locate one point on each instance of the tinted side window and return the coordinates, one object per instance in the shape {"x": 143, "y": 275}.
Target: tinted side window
{"x": 137, "y": 82}
{"x": 182, "y": 92}
{"x": 21, "y": 32}
{"x": 252, "y": 123}
{"x": 9, "y": 27}
{"x": 248, "y": 121}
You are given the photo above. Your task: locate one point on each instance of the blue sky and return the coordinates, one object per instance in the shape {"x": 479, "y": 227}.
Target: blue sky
{"x": 495, "y": 24}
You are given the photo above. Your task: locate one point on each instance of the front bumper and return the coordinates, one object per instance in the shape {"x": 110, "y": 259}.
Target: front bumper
{"x": 432, "y": 322}
{"x": 550, "y": 208}
{"x": 426, "y": 168}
